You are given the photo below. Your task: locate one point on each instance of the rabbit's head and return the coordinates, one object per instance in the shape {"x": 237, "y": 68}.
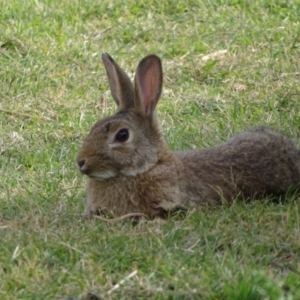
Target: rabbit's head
{"x": 129, "y": 142}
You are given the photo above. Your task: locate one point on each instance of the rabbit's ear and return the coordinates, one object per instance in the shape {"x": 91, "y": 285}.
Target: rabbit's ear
{"x": 148, "y": 83}
{"x": 120, "y": 84}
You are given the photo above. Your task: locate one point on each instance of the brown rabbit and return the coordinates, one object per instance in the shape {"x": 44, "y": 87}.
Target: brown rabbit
{"x": 132, "y": 170}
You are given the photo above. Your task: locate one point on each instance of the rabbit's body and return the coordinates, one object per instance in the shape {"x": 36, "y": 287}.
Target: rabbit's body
{"x": 132, "y": 170}
{"x": 253, "y": 164}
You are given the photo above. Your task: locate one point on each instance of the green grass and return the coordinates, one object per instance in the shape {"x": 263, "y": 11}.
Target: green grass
{"x": 53, "y": 88}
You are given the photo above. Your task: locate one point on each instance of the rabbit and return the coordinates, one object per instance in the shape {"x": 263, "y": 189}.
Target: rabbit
{"x": 131, "y": 169}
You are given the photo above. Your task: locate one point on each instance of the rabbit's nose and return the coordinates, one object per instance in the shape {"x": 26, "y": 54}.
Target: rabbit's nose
{"x": 83, "y": 166}
{"x": 81, "y": 163}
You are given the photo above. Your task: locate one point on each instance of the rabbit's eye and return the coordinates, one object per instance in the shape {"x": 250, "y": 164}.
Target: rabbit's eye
{"x": 122, "y": 135}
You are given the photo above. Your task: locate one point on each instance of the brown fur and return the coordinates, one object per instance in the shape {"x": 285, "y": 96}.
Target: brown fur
{"x": 141, "y": 175}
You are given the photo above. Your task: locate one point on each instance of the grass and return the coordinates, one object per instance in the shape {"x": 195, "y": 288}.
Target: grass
{"x": 53, "y": 88}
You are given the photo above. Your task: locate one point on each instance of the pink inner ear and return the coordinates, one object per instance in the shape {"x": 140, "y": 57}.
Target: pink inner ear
{"x": 149, "y": 82}
{"x": 148, "y": 89}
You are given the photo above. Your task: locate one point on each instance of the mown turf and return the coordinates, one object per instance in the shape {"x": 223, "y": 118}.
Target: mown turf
{"x": 228, "y": 65}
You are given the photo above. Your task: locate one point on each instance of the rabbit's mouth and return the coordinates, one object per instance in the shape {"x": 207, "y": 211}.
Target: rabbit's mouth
{"x": 104, "y": 175}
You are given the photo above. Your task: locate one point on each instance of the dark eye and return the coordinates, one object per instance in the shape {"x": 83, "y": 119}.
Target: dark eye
{"x": 122, "y": 135}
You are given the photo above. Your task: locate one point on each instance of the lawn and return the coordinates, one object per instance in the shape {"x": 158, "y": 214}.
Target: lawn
{"x": 228, "y": 66}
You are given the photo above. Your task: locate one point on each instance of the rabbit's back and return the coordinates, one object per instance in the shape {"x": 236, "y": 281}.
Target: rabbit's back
{"x": 254, "y": 163}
